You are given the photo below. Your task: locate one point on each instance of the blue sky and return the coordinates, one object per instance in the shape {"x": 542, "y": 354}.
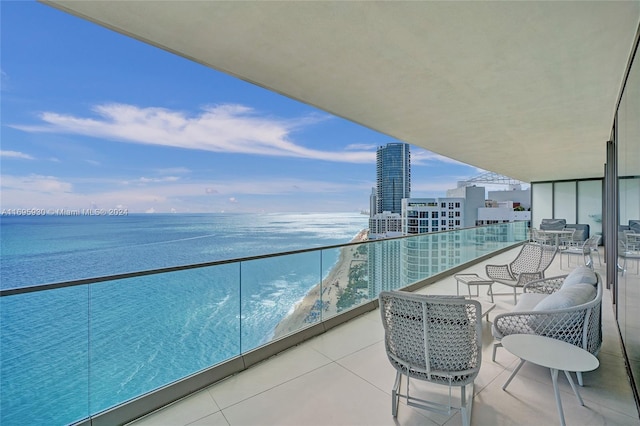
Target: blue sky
{"x": 93, "y": 119}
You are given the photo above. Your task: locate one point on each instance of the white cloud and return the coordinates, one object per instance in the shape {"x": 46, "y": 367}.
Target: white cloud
{"x": 422, "y": 157}
{"x": 174, "y": 171}
{"x": 159, "y": 180}
{"x": 16, "y": 154}
{"x": 361, "y": 147}
{"x": 222, "y": 128}
{"x": 34, "y": 183}
{"x": 205, "y": 196}
{"x": 432, "y": 188}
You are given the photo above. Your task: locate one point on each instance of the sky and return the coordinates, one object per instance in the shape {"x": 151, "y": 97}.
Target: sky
{"x": 91, "y": 119}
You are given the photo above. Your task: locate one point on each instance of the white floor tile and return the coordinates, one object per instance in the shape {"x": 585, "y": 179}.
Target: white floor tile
{"x": 268, "y": 374}
{"x": 182, "y": 412}
{"x": 330, "y": 395}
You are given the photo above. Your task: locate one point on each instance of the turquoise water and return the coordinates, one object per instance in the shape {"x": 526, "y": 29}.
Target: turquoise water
{"x": 72, "y": 352}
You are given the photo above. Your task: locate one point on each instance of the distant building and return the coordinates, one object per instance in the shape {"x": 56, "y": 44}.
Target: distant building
{"x": 423, "y": 215}
{"x": 474, "y": 197}
{"x": 393, "y": 177}
{"x": 385, "y": 225}
{"x": 506, "y": 206}
{"x": 393, "y": 184}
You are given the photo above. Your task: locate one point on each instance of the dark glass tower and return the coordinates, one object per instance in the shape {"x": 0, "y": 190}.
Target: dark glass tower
{"x": 393, "y": 166}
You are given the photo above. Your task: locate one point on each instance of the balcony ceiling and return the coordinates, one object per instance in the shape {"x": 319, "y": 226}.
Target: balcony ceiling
{"x": 525, "y": 89}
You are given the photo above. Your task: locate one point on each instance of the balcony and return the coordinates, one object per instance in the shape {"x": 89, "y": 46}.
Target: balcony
{"x": 342, "y": 377}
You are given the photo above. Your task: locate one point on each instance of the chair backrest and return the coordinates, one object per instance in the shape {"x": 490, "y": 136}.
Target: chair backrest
{"x": 434, "y": 338}
{"x": 533, "y": 258}
{"x": 632, "y": 241}
{"x": 539, "y": 236}
{"x": 594, "y": 241}
{"x": 547, "y": 256}
{"x": 569, "y": 237}
{"x": 586, "y": 250}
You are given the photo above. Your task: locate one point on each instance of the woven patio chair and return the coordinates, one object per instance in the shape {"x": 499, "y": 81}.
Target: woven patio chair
{"x": 584, "y": 250}
{"x": 579, "y": 324}
{"x": 541, "y": 237}
{"x": 626, "y": 251}
{"x": 529, "y": 265}
{"x": 569, "y": 240}
{"x": 594, "y": 246}
{"x": 632, "y": 240}
{"x": 433, "y": 338}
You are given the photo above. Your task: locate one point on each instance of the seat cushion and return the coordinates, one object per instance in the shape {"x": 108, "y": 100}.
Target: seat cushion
{"x": 580, "y": 275}
{"x": 528, "y": 301}
{"x": 564, "y": 298}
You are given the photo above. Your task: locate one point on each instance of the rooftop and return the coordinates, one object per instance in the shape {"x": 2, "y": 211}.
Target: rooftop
{"x": 343, "y": 377}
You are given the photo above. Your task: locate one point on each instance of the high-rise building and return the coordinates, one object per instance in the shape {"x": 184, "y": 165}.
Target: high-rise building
{"x": 393, "y": 177}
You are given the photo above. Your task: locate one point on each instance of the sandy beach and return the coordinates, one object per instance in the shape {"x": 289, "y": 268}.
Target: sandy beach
{"x": 313, "y": 305}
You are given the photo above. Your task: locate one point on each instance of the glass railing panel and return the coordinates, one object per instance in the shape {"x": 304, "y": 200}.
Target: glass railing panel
{"x": 148, "y": 331}
{"x": 44, "y": 352}
{"x": 120, "y": 339}
{"x": 277, "y": 297}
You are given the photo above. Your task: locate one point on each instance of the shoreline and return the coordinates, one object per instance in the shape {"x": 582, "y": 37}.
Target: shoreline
{"x": 314, "y": 304}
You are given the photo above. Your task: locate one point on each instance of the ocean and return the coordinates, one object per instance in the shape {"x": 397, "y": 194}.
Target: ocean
{"x": 72, "y": 352}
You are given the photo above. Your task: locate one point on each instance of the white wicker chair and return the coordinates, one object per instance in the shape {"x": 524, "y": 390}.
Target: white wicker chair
{"x": 433, "y": 338}
{"x": 585, "y": 249}
{"x": 569, "y": 240}
{"x": 579, "y": 325}
{"x": 541, "y": 237}
{"x": 627, "y": 250}
{"x": 529, "y": 265}
{"x": 594, "y": 246}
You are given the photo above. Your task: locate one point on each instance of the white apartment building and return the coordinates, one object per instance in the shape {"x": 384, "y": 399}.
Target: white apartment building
{"x": 385, "y": 225}
{"x": 500, "y": 205}
{"x": 423, "y": 215}
{"x": 501, "y": 212}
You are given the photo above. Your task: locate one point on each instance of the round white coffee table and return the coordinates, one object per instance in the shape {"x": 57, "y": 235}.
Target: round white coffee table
{"x": 553, "y": 354}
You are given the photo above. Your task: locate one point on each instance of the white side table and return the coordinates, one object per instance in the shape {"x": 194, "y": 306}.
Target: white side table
{"x": 473, "y": 279}
{"x": 553, "y": 354}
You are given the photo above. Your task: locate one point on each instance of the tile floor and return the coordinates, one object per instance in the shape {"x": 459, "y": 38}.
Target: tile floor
{"x": 343, "y": 378}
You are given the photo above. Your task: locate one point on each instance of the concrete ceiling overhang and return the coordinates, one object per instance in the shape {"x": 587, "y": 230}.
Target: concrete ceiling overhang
{"x": 525, "y": 89}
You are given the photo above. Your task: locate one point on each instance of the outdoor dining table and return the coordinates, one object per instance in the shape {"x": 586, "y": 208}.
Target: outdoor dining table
{"x": 557, "y": 233}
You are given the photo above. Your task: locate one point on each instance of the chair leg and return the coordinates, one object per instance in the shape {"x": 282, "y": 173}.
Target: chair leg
{"x": 395, "y": 395}
{"x": 495, "y": 347}
{"x": 466, "y": 407}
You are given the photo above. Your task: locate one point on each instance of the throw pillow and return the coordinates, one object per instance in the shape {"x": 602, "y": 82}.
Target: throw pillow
{"x": 580, "y": 275}
{"x": 574, "y": 295}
